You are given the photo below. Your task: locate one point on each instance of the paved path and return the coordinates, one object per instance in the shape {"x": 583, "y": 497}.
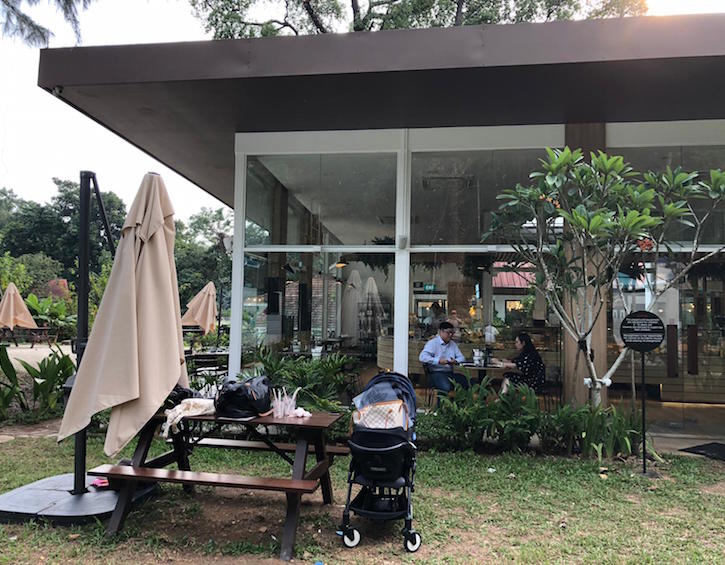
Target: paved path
{"x": 34, "y": 355}
{"x": 48, "y": 428}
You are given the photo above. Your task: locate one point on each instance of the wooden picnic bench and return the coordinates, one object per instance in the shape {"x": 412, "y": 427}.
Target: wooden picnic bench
{"x": 309, "y": 434}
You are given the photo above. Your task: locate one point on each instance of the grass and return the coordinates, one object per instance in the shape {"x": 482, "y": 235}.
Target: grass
{"x": 468, "y": 507}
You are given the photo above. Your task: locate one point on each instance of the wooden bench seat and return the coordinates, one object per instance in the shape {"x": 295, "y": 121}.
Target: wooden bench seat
{"x": 332, "y": 450}
{"x": 124, "y": 472}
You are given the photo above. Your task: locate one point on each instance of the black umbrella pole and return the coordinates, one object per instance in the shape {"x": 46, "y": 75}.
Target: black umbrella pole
{"x": 79, "y": 472}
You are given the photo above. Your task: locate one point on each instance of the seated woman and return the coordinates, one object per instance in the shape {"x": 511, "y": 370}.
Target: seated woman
{"x": 531, "y": 369}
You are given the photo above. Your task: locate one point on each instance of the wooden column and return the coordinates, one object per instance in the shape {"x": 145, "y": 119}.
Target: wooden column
{"x": 587, "y": 137}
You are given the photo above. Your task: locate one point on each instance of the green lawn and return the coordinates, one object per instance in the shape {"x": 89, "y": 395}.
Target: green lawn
{"x": 530, "y": 509}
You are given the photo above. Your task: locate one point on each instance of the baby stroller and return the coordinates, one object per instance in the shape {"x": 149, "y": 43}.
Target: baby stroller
{"x": 383, "y": 458}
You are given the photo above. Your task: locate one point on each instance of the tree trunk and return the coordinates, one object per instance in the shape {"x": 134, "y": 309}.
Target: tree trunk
{"x": 459, "y": 13}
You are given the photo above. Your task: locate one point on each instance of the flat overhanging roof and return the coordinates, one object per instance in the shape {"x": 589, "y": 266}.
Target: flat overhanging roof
{"x": 183, "y": 102}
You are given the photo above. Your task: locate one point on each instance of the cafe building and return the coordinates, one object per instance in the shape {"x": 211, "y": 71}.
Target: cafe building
{"x": 363, "y": 169}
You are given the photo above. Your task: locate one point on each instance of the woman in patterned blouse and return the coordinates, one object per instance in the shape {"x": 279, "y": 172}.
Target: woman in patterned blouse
{"x": 528, "y": 363}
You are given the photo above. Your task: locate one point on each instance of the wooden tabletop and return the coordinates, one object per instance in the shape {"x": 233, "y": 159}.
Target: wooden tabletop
{"x": 317, "y": 420}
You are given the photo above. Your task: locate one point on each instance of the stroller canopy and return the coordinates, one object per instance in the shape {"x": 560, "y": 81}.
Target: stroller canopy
{"x": 388, "y": 386}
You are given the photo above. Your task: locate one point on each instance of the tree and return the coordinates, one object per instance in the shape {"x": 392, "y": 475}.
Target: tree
{"x": 11, "y": 270}
{"x": 229, "y": 19}
{"x": 66, "y": 206}
{"x": 209, "y": 225}
{"x": 580, "y": 224}
{"x": 41, "y": 270}
{"x": 34, "y": 228}
{"x": 97, "y": 285}
{"x": 53, "y": 228}
{"x": 195, "y": 264}
{"x": 201, "y": 255}
{"x": 15, "y": 22}
{"x": 8, "y": 205}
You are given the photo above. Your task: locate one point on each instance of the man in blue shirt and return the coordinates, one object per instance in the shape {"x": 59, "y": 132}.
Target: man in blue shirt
{"x": 439, "y": 356}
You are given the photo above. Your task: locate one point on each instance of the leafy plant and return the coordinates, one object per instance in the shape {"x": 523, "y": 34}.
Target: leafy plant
{"x": 610, "y": 431}
{"x": 438, "y": 432}
{"x": 52, "y": 313}
{"x": 465, "y": 415}
{"x": 561, "y": 431}
{"x": 325, "y": 383}
{"x": 212, "y": 339}
{"x": 515, "y": 418}
{"x": 48, "y": 379}
{"x": 10, "y": 387}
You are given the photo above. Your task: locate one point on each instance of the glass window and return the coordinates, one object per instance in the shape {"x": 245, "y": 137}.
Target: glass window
{"x": 691, "y": 158}
{"x": 293, "y": 301}
{"x": 454, "y": 192}
{"x": 339, "y": 199}
{"x": 486, "y": 303}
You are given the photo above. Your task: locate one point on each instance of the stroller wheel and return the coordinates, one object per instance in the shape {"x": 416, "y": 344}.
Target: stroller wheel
{"x": 351, "y": 537}
{"x": 412, "y": 542}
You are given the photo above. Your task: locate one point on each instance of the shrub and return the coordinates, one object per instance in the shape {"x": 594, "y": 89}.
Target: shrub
{"x": 54, "y": 314}
{"x": 9, "y": 387}
{"x": 212, "y": 339}
{"x": 515, "y": 418}
{"x": 437, "y": 432}
{"x": 561, "y": 431}
{"x": 608, "y": 433}
{"x": 325, "y": 384}
{"x": 464, "y": 416}
{"x": 48, "y": 379}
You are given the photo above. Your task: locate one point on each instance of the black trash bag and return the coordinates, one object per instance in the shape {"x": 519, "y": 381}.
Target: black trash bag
{"x": 179, "y": 393}
{"x": 243, "y": 398}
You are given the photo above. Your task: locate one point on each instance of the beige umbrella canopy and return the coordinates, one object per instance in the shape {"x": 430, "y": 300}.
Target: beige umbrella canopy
{"x": 202, "y": 310}
{"x": 13, "y": 311}
{"x": 135, "y": 353}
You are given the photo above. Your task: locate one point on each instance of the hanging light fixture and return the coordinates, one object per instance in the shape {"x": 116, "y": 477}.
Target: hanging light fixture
{"x": 341, "y": 262}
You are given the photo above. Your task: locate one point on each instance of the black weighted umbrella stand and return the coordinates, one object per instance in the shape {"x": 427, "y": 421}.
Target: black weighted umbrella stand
{"x": 70, "y": 498}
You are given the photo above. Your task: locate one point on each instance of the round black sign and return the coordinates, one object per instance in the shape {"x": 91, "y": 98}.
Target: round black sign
{"x": 642, "y": 331}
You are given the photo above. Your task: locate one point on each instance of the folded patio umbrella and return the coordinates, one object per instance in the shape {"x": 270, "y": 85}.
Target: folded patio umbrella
{"x": 351, "y": 296}
{"x": 372, "y": 320}
{"x": 135, "y": 353}
{"x": 202, "y": 310}
{"x": 13, "y": 311}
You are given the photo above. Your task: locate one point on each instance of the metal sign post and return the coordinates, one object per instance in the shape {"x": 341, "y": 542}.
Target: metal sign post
{"x": 643, "y": 331}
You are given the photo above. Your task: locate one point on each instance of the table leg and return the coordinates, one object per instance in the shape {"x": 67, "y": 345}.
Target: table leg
{"x": 182, "y": 456}
{"x": 292, "y": 518}
{"x": 321, "y": 455}
{"x": 290, "y": 526}
{"x": 125, "y": 495}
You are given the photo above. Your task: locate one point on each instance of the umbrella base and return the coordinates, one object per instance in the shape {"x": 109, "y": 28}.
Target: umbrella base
{"x": 50, "y": 500}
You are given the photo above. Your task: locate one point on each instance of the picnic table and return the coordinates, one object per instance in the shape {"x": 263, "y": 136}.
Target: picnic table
{"x": 33, "y": 335}
{"x": 309, "y": 433}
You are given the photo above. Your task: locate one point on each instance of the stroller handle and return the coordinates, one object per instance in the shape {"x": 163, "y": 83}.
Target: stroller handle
{"x": 381, "y": 449}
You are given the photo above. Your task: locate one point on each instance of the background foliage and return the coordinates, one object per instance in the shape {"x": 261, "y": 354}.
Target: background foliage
{"x": 229, "y": 19}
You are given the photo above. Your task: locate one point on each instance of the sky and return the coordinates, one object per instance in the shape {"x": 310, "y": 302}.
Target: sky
{"x": 42, "y": 137}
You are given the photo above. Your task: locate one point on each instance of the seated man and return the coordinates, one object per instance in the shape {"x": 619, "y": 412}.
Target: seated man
{"x": 439, "y": 356}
